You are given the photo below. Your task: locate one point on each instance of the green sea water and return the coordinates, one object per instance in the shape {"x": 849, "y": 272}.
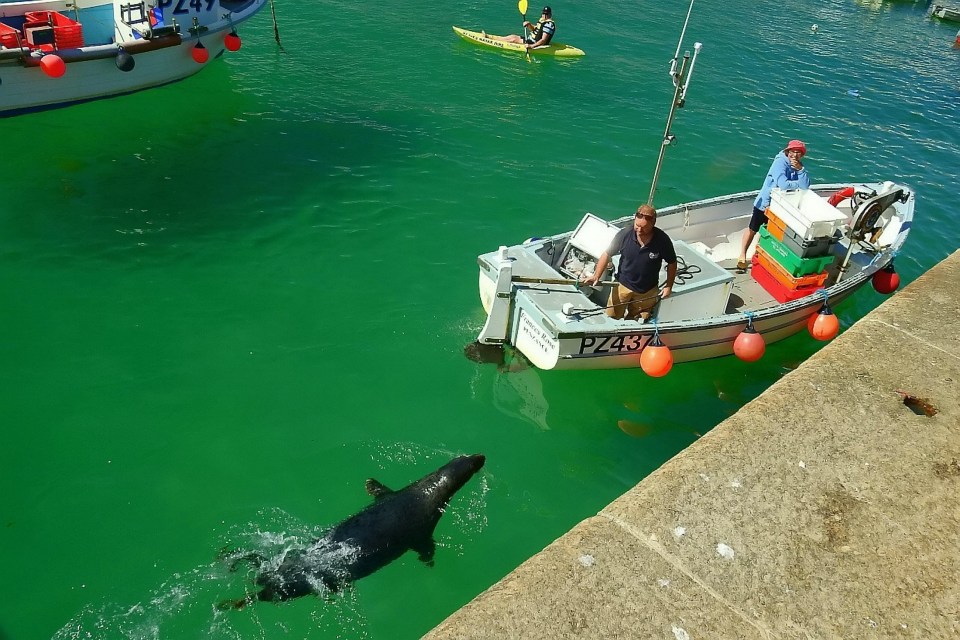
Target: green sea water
{"x": 226, "y": 303}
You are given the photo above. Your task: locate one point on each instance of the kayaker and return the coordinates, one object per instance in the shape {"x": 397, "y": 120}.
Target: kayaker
{"x": 786, "y": 172}
{"x": 643, "y": 248}
{"x": 540, "y": 34}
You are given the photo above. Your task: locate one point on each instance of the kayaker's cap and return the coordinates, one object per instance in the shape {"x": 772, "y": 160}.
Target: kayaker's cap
{"x": 547, "y": 11}
{"x": 797, "y": 144}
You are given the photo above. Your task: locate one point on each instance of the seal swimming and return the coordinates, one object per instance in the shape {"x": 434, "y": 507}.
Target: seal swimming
{"x": 377, "y": 535}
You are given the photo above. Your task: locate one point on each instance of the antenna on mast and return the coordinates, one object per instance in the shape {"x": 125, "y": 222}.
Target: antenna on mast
{"x": 681, "y": 82}
{"x": 676, "y": 56}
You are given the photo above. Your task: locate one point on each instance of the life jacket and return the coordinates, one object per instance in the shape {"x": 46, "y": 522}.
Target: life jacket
{"x": 548, "y": 26}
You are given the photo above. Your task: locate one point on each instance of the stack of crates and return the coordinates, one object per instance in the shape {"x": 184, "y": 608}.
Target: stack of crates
{"x": 794, "y": 251}
{"x": 67, "y": 33}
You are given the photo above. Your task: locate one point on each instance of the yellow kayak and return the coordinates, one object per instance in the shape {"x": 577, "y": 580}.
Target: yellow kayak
{"x": 552, "y": 49}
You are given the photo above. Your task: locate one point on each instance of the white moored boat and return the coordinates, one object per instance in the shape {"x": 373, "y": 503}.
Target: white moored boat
{"x": 819, "y": 247}
{"x": 54, "y": 53}
{"x": 950, "y": 14}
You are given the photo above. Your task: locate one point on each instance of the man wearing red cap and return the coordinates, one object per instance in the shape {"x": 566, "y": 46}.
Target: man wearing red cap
{"x": 786, "y": 172}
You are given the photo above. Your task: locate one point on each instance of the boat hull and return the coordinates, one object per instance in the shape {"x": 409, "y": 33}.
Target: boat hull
{"x": 534, "y": 304}
{"x": 92, "y": 72}
{"x": 558, "y": 50}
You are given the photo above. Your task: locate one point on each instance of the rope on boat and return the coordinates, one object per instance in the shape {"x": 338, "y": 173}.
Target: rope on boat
{"x": 684, "y": 272}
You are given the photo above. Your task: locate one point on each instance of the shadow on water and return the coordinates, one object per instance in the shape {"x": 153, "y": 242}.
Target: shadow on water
{"x": 185, "y": 178}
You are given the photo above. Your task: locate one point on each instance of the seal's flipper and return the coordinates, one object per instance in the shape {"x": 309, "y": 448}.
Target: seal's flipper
{"x": 425, "y": 550}
{"x": 376, "y": 489}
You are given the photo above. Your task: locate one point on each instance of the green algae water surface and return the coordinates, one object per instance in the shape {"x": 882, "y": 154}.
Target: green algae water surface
{"x": 226, "y": 303}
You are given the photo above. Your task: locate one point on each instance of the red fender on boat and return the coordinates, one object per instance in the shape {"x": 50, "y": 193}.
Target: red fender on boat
{"x": 840, "y": 196}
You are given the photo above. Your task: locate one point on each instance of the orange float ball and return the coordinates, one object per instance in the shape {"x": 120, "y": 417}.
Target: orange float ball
{"x": 886, "y": 280}
{"x": 200, "y": 53}
{"x": 232, "y": 42}
{"x": 825, "y": 325}
{"x": 749, "y": 345}
{"x": 53, "y": 65}
{"x": 656, "y": 359}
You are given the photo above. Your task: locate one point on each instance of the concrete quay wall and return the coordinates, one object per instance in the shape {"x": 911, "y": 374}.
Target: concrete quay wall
{"x": 825, "y": 508}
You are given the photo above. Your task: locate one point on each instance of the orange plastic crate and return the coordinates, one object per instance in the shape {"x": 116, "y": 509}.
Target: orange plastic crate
{"x": 775, "y": 225}
{"x": 783, "y": 276}
{"x": 8, "y": 36}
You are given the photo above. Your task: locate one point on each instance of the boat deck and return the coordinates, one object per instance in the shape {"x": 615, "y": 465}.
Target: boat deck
{"x": 747, "y": 294}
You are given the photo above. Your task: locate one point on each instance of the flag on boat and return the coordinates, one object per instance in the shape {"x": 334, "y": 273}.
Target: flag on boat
{"x": 156, "y": 17}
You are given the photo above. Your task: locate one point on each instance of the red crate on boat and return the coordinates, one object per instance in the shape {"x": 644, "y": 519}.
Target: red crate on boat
{"x": 773, "y": 286}
{"x": 783, "y": 276}
{"x": 67, "y": 33}
{"x": 8, "y": 36}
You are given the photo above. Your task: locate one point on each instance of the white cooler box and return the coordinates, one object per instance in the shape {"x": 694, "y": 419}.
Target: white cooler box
{"x": 809, "y": 215}
{"x": 701, "y": 294}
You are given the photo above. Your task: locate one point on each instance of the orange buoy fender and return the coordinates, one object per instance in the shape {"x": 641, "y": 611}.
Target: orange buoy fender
{"x": 199, "y": 53}
{"x": 824, "y": 325}
{"x": 53, "y": 65}
{"x": 656, "y": 359}
{"x": 886, "y": 280}
{"x": 749, "y": 345}
{"x": 231, "y": 41}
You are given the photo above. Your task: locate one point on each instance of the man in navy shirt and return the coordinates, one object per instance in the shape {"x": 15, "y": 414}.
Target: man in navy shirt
{"x": 642, "y": 249}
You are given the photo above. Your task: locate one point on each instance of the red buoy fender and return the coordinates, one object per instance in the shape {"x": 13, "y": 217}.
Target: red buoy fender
{"x": 840, "y": 196}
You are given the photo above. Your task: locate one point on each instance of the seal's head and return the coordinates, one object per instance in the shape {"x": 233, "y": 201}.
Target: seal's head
{"x": 485, "y": 353}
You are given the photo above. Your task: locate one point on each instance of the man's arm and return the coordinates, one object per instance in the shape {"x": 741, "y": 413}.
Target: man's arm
{"x": 671, "y": 277}
{"x": 790, "y": 177}
{"x": 598, "y": 272}
{"x": 544, "y": 39}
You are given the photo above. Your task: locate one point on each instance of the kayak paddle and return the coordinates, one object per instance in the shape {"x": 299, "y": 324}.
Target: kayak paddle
{"x": 522, "y": 6}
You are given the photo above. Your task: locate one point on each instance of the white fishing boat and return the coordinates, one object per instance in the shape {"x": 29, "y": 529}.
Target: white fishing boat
{"x": 54, "y": 53}
{"x": 536, "y": 305}
{"x": 820, "y": 246}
